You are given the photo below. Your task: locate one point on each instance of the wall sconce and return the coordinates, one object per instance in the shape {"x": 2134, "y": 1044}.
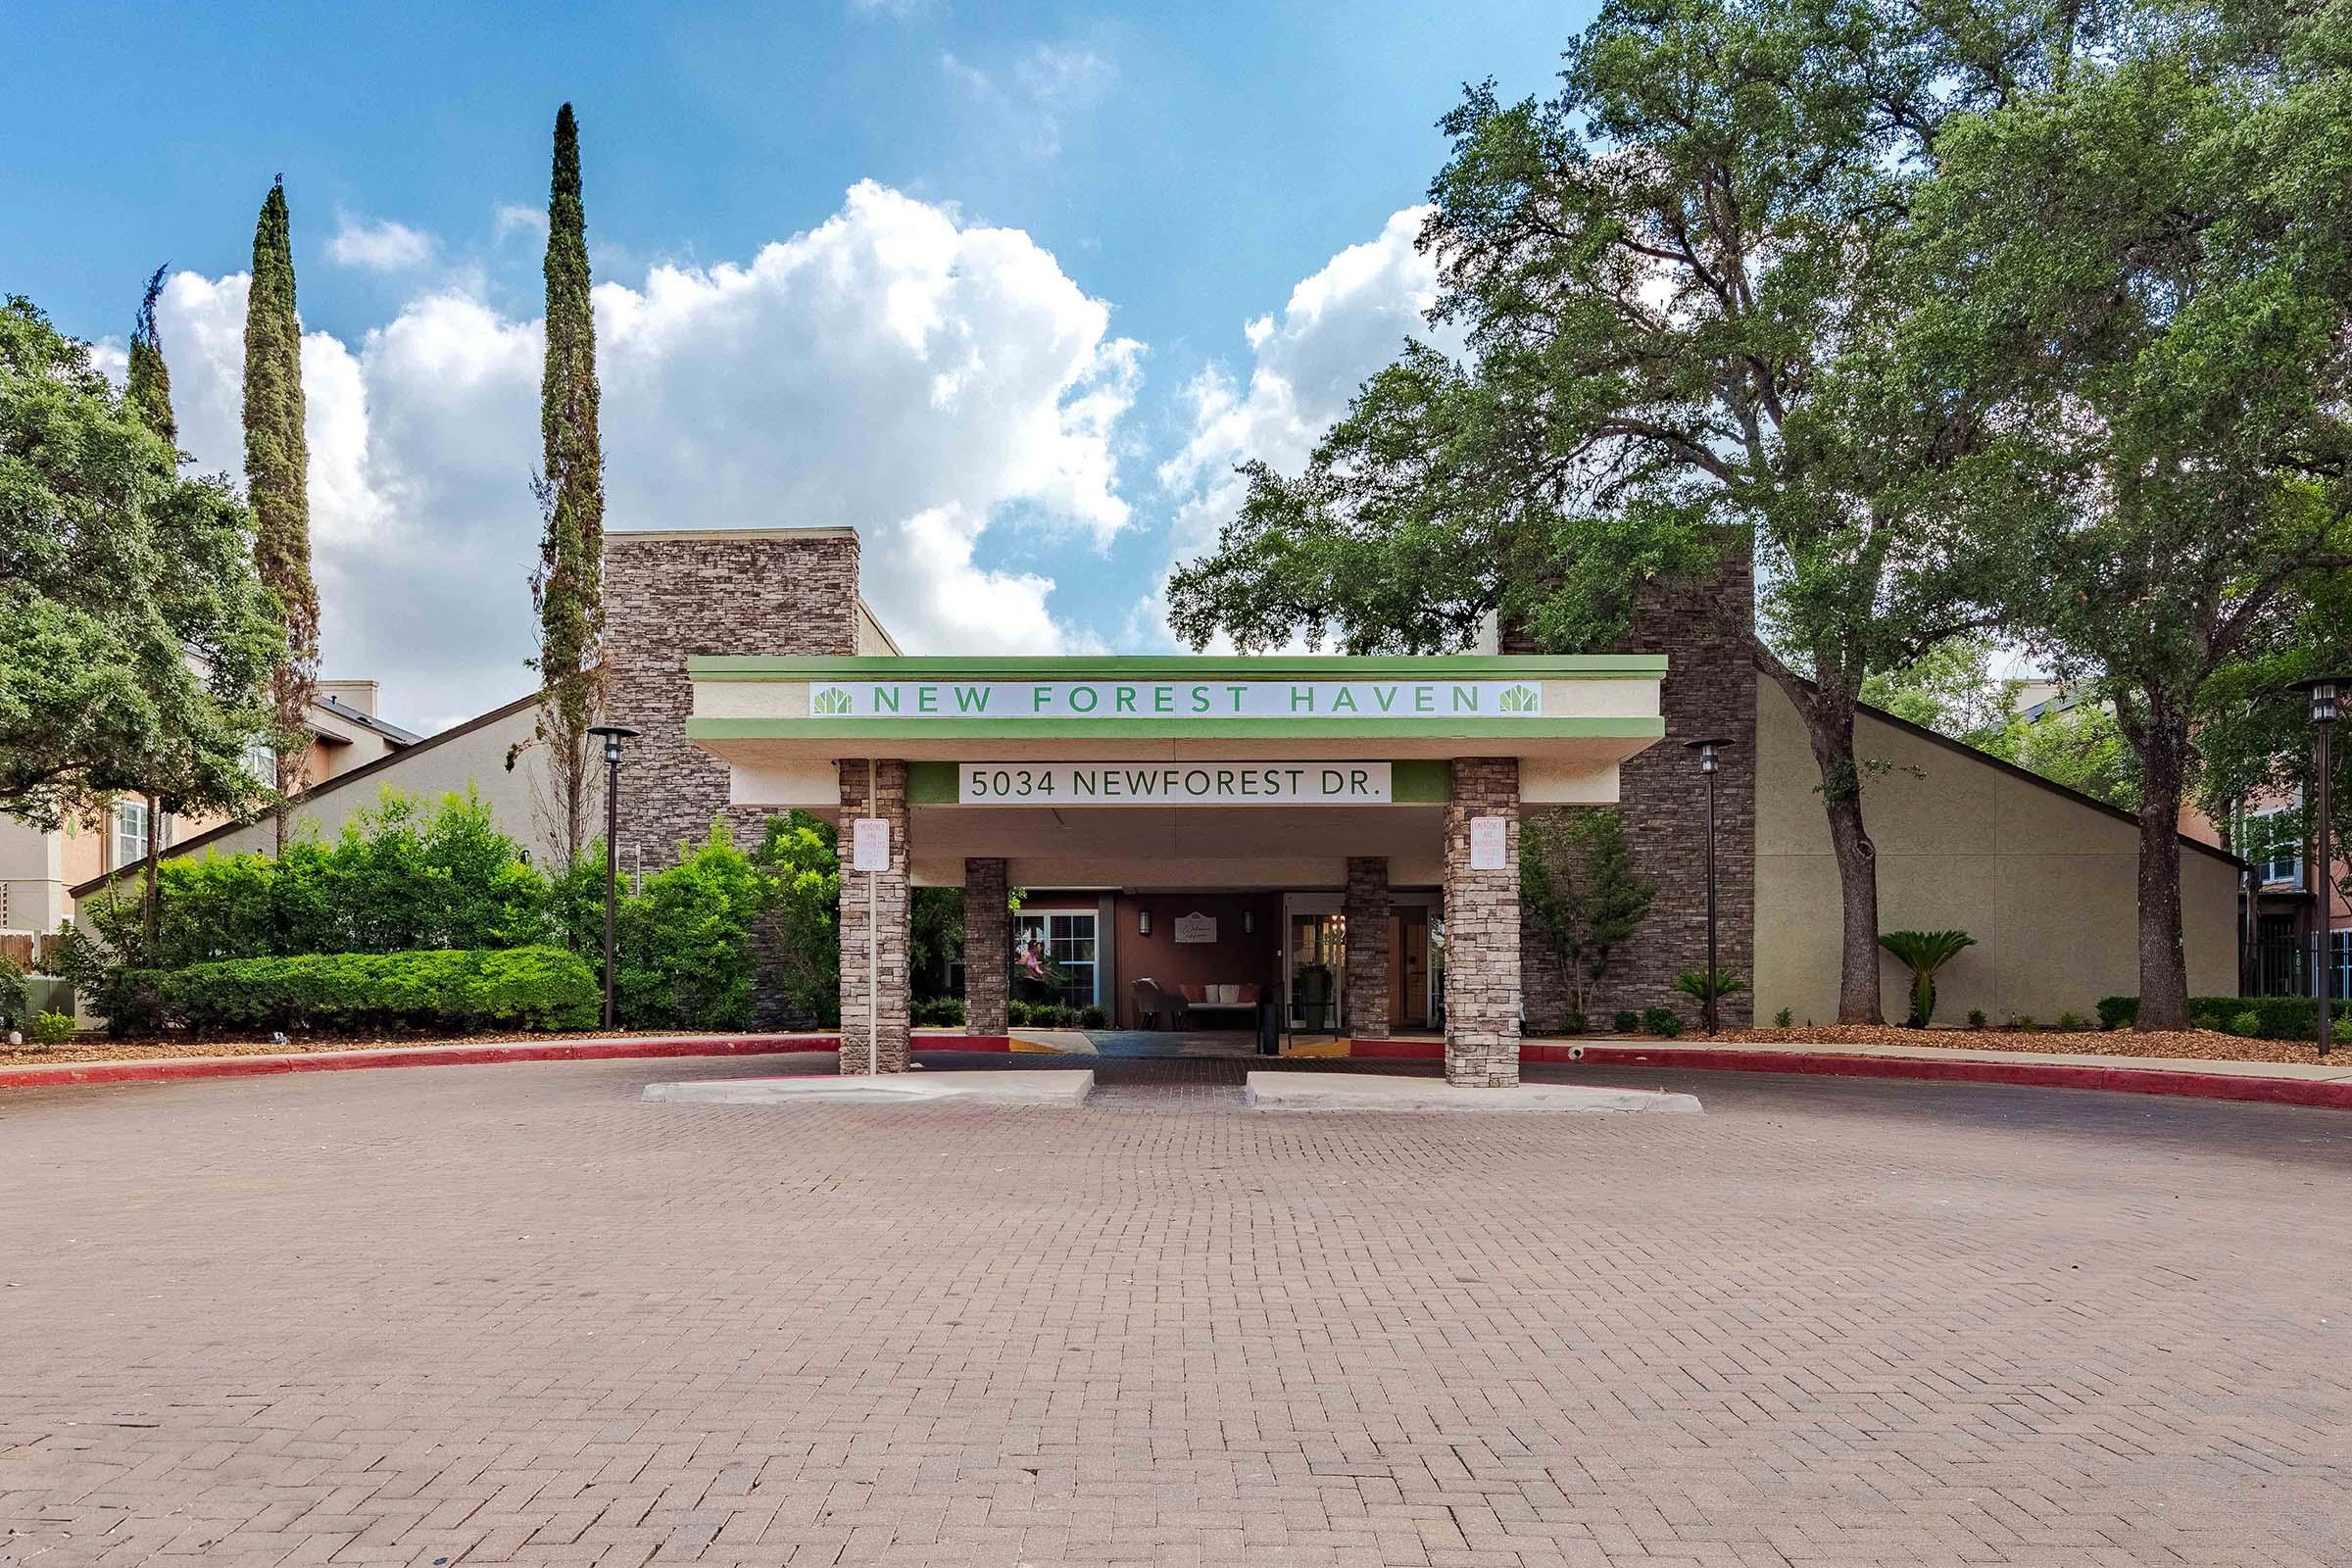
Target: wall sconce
{"x": 1143, "y": 922}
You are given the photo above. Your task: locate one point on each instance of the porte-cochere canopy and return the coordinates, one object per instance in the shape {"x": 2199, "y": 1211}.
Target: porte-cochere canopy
{"x": 1174, "y": 771}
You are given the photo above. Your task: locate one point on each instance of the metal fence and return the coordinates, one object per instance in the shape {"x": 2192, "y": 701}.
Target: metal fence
{"x": 2281, "y": 966}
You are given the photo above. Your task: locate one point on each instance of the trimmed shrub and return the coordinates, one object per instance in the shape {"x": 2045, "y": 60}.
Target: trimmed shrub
{"x": 685, "y": 955}
{"x": 1091, "y": 1018}
{"x": 402, "y": 875}
{"x": 1624, "y": 1022}
{"x": 442, "y": 990}
{"x": 933, "y": 1012}
{"x": 2274, "y": 1017}
{"x": 1662, "y": 1022}
{"x": 50, "y": 1028}
{"x": 2246, "y": 1025}
{"x": 15, "y": 1004}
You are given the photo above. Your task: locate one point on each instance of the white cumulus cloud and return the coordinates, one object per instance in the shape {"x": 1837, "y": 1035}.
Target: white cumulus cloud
{"x": 895, "y": 368}
{"x": 380, "y": 246}
{"x": 1341, "y": 324}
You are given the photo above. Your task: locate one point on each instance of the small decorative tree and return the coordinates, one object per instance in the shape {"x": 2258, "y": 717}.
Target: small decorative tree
{"x": 1923, "y": 952}
{"x": 1705, "y": 986}
{"x": 1579, "y": 895}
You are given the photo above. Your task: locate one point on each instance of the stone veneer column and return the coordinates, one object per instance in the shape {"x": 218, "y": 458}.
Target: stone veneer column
{"x": 1482, "y": 929}
{"x": 886, "y": 1003}
{"x": 1367, "y": 914}
{"x": 987, "y": 948}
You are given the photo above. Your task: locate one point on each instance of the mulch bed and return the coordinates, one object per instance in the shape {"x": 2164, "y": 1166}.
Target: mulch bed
{"x": 2207, "y": 1044}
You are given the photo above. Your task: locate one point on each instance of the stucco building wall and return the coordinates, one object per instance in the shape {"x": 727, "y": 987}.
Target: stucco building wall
{"x": 2047, "y": 882}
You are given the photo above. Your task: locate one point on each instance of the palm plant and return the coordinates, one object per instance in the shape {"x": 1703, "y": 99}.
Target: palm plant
{"x": 1692, "y": 983}
{"x": 1923, "y": 952}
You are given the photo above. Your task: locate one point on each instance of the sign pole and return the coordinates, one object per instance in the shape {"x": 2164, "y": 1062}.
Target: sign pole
{"x": 874, "y": 949}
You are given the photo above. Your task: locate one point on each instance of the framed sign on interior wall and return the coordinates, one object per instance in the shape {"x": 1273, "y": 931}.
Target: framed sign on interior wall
{"x": 1195, "y": 927}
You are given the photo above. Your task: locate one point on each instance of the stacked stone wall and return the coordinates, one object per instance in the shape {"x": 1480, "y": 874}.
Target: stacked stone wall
{"x": 1704, "y": 628}
{"x": 987, "y": 948}
{"x": 669, "y": 597}
{"x": 1367, "y": 911}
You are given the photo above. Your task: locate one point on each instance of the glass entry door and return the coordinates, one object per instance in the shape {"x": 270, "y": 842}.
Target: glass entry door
{"x": 1314, "y": 962}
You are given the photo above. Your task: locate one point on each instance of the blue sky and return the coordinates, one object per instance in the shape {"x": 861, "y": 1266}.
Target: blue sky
{"x": 977, "y": 279}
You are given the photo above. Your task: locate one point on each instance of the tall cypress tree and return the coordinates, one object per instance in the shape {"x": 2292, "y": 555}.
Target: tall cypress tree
{"x": 278, "y": 464}
{"x": 149, "y": 386}
{"x": 568, "y": 586}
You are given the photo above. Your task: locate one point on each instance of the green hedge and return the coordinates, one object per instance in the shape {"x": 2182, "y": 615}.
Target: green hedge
{"x": 2274, "y": 1017}
{"x": 442, "y": 990}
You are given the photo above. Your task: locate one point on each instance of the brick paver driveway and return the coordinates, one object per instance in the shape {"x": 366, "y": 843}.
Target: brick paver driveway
{"x": 512, "y": 1314}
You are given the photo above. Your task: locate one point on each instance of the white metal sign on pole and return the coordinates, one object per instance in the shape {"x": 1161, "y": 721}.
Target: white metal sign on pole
{"x": 869, "y": 853}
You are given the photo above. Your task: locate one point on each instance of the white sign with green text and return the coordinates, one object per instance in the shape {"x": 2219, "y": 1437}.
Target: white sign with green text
{"x": 1172, "y": 784}
{"x": 1368, "y": 699}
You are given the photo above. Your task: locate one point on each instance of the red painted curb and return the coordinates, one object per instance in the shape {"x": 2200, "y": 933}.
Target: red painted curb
{"x": 2038, "y": 1074}
{"x": 163, "y": 1069}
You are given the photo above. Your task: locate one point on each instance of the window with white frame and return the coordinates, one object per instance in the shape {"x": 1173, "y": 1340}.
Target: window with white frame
{"x": 260, "y": 761}
{"x": 2273, "y": 842}
{"x": 2340, "y": 962}
{"x": 1060, "y": 946}
{"x": 131, "y": 832}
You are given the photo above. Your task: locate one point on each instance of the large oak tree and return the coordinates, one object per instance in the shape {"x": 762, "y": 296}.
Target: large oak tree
{"x": 1673, "y": 282}
{"x": 137, "y": 639}
{"x": 2152, "y": 262}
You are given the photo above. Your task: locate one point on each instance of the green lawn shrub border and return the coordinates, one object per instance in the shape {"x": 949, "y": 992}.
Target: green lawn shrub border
{"x": 450, "y": 990}
{"x": 2274, "y": 1017}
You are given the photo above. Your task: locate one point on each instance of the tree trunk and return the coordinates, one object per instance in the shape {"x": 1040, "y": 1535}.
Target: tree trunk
{"x": 291, "y": 766}
{"x": 150, "y": 904}
{"x": 1858, "y": 895}
{"x": 2163, "y": 965}
{"x": 1830, "y": 730}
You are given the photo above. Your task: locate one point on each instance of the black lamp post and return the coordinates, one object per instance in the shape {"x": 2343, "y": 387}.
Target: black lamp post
{"x": 2325, "y": 692}
{"x": 612, "y": 735}
{"x": 1707, "y": 751}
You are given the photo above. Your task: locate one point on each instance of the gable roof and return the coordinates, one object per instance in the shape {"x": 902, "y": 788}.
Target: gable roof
{"x": 365, "y": 771}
